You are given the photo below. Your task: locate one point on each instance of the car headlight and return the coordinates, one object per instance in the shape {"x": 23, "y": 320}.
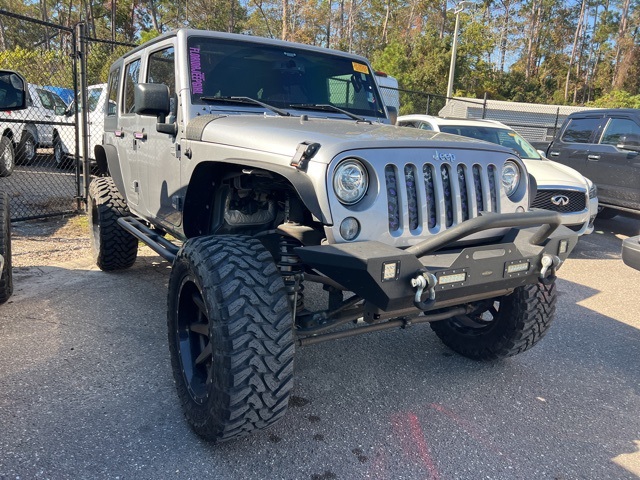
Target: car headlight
{"x": 593, "y": 189}
{"x": 510, "y": 177}
{"x": 350, "y": 181}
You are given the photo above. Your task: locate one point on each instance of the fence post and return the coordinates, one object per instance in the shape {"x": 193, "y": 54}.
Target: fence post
{"x": 555, "y": 126}
{"x": 76, "y": 139}
{"x": 484, "y": 106}
{"x": 428, "y": 103}
{"x": 82, "y": 48}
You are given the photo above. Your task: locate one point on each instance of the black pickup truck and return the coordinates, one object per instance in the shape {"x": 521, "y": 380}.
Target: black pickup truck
{"x": 604, "y": 145}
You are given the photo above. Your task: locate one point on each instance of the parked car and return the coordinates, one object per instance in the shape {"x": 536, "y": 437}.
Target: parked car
{"x": 26, "y": 130}
{"x": 604, "y": 145}
{"x": 631, "y": 252}
{"x": 12, "y": 97}
{"x": 559, "y": 188}
{"x": 64, "y": 142}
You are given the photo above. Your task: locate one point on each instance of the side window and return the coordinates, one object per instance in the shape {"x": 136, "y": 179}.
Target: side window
{"x": 579, "y": 130}
{"x": 131, "y": 75}
{"x": 425, "y": 126}
{"x": 112, "y": 101}
{"x": 161, "y": 68}
{"x": 619, "y": 129}
{"x": 45, "y": 99}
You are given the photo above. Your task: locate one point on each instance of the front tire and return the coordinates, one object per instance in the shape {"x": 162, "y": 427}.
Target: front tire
{"x": 230, "y": 336}
{"x": 6, "y": 277}
{"x": 113, "y": 247}
{"x": 505, "y": 327}
{"x": 606, "y": 213}
{"x": 7, "y": 157}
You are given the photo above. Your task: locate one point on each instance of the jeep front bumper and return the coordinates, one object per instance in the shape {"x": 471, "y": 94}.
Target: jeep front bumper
{"x": 389, "y": 278}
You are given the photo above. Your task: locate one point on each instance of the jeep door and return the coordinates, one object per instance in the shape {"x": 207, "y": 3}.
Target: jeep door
{"x": 158, "y": 153}
{"x": 124, "y": 133}
{"x": 616, "y": 171}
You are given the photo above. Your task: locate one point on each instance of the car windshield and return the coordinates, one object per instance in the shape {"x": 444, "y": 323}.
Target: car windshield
{"x": 500, "y": 136}
{"x": 93, "y": 96}
{"x": 280, "y": 76}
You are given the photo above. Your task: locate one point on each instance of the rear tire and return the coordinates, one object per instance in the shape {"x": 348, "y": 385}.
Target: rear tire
{"x": 518, "y": 321}
{"x": 26, "y": 149}
{"x": 62, "y": 160}
{"x": 7, "y": 157}
{"x": 113, "y": 247}
{"x": 6, "y": 276}
{"x": 230, "y": 336}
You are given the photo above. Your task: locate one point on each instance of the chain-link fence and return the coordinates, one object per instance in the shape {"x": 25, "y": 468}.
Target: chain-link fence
{"x": 38, "y": 144}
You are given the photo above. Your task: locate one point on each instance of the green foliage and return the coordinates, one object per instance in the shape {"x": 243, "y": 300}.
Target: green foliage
{"x": 41, "y": 67}
{"x": 617, "y": 99}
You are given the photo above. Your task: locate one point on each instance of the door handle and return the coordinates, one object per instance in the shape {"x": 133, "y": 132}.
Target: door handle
{"x": 554, "y": 154}
{"x": 593, "y": 157}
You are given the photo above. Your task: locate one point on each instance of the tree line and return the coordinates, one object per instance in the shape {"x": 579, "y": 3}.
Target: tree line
{"x": 570, "y": 52}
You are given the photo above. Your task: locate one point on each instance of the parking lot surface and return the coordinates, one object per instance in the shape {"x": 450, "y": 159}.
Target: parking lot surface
{"x": 86, "y": 389}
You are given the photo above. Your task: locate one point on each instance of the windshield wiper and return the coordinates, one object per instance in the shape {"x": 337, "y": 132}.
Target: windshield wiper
{"x": 326, "y": 107}
{"x": 247, "y": 100}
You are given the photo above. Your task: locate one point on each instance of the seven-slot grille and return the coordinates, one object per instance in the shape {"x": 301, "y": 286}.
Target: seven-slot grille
{"x": 429, "y": 195}
{"x": 563, "y": 201}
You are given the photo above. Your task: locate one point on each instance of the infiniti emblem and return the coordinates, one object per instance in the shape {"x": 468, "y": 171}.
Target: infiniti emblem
{"x": 560, "y": 200}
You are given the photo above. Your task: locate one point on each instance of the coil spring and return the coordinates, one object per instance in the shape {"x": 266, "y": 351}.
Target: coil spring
{"x": 292, "y": 271}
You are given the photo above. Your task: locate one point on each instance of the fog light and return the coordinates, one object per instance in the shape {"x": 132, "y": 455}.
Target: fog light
{"x": 562, "y": 248}
{"x": 452, "y": 278}
{"x": 518, "y": 267}
{"x": 349, "y": 228}
{"x": 390, "y": 271}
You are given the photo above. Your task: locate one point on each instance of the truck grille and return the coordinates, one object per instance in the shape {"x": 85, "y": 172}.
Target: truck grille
{"x": 431, "y": 195}
{"x": 563, "y": 201}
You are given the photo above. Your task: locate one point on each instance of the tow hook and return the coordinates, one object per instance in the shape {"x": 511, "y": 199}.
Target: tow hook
{"x": 549, "y": 265}
{"x": 424, "y": 280}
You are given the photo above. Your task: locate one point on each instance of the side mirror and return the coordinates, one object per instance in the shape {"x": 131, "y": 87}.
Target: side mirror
{"x": 393, "y": 114}
{"x": 13, "y": 88}
{"x": 152, "y": 99}
{"x": 629, "y": 142}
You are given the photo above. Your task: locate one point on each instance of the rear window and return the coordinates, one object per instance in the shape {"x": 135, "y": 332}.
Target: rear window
{"x": 579, "y": 130}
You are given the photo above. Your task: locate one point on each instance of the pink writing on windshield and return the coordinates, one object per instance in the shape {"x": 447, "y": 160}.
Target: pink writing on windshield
{"x": 197, "y": 77}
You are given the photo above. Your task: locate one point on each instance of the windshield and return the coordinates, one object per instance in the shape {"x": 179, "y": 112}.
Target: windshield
{"x": 500, "y": 136}
{"x": 280, "y": 76}
{"x": 93, "y": 98}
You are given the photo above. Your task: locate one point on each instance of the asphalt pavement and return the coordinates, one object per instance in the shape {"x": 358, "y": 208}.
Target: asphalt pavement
{"x": 86, "y": 389}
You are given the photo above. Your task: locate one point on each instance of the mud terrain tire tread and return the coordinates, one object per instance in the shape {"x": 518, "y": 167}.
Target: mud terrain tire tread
{"x": 113, "y": 247}
{"x": 250, "y": 330}
{"x": 6, "y": 277}
{"x": 523, "y": 319}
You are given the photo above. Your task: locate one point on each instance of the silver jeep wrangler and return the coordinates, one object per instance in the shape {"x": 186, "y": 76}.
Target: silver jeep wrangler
{"x": 273, "y": 164}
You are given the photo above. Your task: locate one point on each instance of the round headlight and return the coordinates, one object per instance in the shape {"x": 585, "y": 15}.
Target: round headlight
{"x": 350, "y": 182}
{"x": 510, "y": 177}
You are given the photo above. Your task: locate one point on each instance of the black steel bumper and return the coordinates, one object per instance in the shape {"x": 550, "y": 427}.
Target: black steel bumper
{"x": 631, "y": 252}
{"x": 382, "y": 274}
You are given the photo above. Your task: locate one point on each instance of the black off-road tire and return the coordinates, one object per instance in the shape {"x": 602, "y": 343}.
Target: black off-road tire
{"x": 606, "y": 213}
{"x": 230, "y": 336}
{"x": 6, "y": 277}
{"x": 113, "y": 247}
{"x": 7, "y": 157}
{"x": 26, "y": 152}
{"x": 513, "y": 324}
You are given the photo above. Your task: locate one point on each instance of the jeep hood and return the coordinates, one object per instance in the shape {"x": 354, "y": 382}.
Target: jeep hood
{"x": 282, "y": 135}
